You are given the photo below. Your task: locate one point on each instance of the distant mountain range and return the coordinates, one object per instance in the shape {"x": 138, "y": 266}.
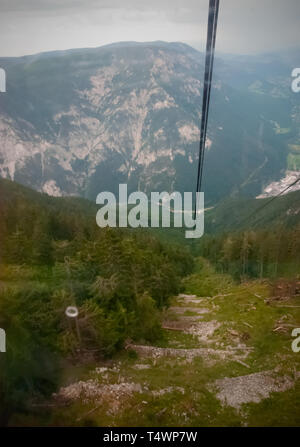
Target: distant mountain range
{"x": 82, "y": 121}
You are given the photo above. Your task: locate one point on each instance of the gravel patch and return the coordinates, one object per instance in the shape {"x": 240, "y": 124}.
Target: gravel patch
{"x": 203, "y": 330}
{"x": 91, "y": 391}
{"x": 141, "y": 366}
{"x": 169, "y": 389}
{"x": 184, "y": 296}
{"x": 211, "y": 356}
{"x": 179, "y": 325}
{"x": 196, "y": 310}
{"x": 255, "y": 387}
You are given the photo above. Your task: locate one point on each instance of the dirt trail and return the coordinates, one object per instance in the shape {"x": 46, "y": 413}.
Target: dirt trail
{"x": 182, "y": 310}
{"x": 201, "y": 330}
{"x": 206, "y": 339}
{"x": 230, "y": 391}
{"x": 209, "y": 354}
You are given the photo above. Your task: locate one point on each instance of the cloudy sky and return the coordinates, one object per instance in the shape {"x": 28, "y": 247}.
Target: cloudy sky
{"x": 245, "y": 26}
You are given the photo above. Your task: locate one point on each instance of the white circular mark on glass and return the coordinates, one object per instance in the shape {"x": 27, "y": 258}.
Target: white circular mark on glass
{"x": 72, "y": 312}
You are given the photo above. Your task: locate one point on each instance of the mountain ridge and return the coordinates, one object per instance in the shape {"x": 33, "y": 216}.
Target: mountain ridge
{"x": 77, "y": 124}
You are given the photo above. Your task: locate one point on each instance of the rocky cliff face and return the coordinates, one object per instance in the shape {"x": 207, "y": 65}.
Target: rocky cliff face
{"x": 83, "y": 121}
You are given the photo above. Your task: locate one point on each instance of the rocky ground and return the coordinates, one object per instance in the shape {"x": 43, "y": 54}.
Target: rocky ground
{"x": 222, "y": 361}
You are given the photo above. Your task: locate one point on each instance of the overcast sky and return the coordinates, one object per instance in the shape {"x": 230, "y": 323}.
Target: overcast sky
{"x": 245, "y": 26}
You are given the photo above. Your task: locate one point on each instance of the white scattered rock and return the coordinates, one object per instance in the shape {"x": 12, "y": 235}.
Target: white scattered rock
{"x": 169, "y": 389}
{"x": 275, "y": 188}
{"x": 196, "y": 310}
{"x": 92, "y": 391}
{"x": 101, "y": 370}
{"x": 50, "y": 187}
{"x": 210, "y": 355}
{"x": 182, "y": 295}
{"x": 203, "y": 329}
{"x": 236, "y": 391}
{"x": 141, "y": 366}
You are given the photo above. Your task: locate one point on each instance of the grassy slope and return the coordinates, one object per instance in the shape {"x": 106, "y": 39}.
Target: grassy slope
{"x": 198, "y": 405}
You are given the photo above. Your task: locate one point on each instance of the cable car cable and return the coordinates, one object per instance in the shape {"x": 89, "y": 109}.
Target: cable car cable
{"x": 209, "y": 60}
